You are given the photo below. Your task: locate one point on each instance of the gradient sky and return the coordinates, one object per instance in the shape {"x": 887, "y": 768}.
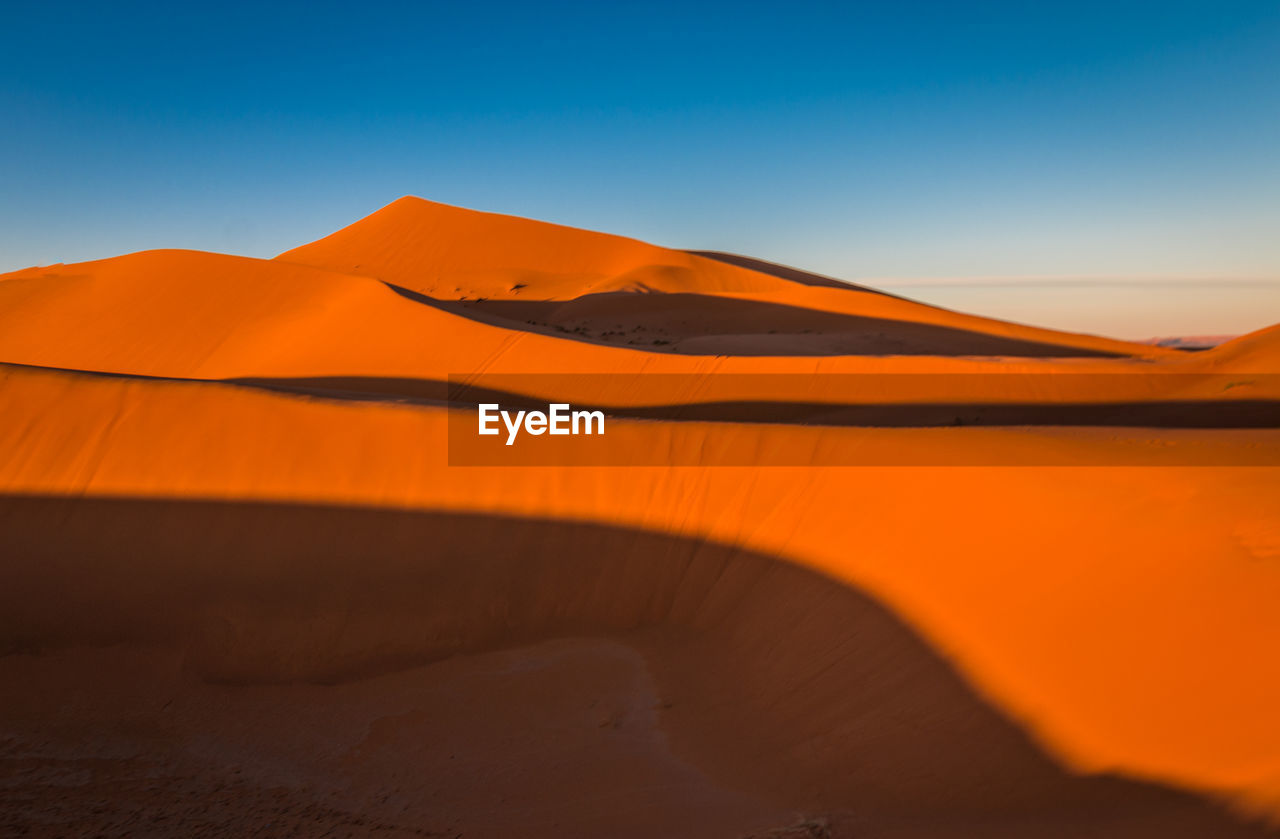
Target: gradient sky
{"x": 1110, "y": 167}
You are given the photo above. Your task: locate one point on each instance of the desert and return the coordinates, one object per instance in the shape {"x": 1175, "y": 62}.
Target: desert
{"x": 843, "y": 564}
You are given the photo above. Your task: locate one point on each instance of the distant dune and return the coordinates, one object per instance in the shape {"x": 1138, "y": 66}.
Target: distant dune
{"x": 251, "y": 590}
{"x": 1191, "y": 342}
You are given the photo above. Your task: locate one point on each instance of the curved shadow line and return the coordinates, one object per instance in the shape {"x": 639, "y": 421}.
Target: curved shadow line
{"x": 763, "y": 658}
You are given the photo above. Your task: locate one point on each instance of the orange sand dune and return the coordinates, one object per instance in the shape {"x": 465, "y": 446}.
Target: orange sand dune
{"x": 1257, "y": 352}
{"x": 229, "y": 609}
{"x": 451, "y": 253}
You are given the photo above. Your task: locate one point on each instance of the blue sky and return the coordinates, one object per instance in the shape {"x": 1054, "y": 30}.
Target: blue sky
{"x": 1063, "y": 163}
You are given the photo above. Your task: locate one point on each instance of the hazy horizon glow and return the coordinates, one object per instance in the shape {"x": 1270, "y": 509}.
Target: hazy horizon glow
{"x": 1103, "y": 167}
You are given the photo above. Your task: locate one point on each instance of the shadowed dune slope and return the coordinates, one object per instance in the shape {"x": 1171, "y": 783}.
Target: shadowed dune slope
{"x": 800, "y": 692}
{"x": 700, "y": 324}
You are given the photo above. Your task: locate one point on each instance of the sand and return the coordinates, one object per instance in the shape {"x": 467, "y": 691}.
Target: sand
{"x": 247, "y": 592}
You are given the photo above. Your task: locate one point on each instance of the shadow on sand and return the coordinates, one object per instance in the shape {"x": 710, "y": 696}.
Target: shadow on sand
{"x": 778, "y": 680}
{"x": 698, "y": 324}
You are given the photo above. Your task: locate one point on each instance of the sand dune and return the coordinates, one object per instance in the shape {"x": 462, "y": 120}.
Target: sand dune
{"x": 247, "y": 590}
{"x": 1257, "y": 352}
{"x": 447, "y": 252}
